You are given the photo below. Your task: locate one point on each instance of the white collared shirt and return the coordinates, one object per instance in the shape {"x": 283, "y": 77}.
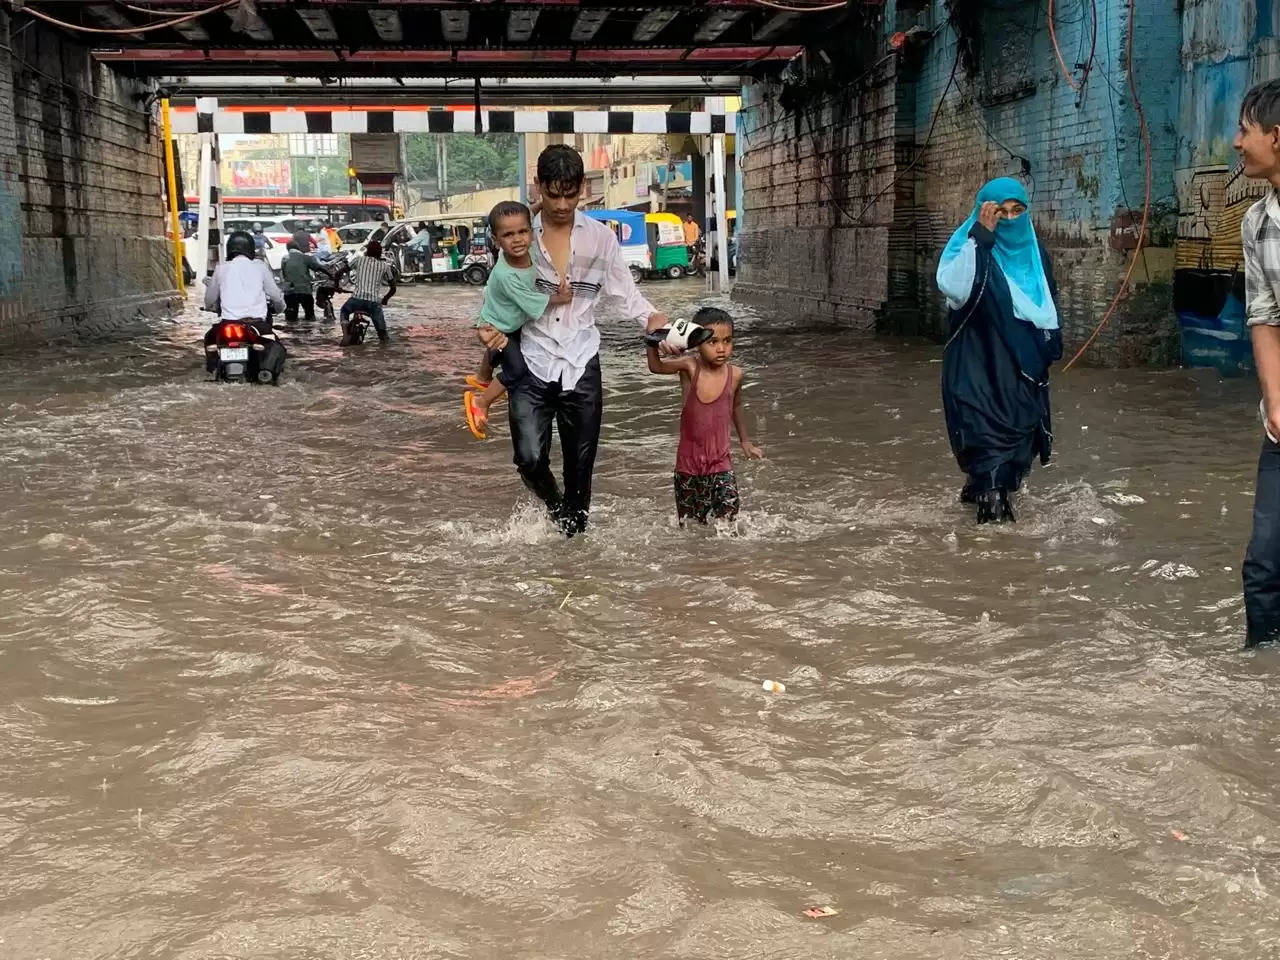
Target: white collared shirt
{"x": 560, "y": 343}
{"x": 1260, "y": 236}
{"x": 241, "y": 288}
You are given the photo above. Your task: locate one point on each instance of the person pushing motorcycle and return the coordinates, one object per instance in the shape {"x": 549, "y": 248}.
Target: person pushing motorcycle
{"x": 368, "y": 273}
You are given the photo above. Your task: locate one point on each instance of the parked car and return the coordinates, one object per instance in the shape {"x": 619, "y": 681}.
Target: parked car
{"x": 277, "y": 232}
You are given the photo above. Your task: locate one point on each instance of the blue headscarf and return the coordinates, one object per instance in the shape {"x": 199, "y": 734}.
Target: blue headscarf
{"x": 1017, "y": 251}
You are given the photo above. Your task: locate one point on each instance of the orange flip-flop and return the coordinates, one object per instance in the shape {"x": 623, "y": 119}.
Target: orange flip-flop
{"x": 476, "y": 420}
{"x": 477, "y": 384}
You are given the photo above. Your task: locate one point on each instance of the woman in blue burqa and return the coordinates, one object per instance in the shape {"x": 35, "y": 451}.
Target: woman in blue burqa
{"x": 1002, "y": 336}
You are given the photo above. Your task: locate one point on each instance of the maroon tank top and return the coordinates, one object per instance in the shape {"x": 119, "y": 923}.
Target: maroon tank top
{"x": 704, "y": 431}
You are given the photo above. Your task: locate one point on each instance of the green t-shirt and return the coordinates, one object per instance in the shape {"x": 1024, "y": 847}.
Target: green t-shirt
{"x": 510, "y": 298}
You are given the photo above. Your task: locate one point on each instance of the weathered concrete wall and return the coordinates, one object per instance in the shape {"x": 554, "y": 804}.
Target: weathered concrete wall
{"x": 82, "y": 244}
{"x": 1227, "y": 46}
{"x": 1080, "y": 157}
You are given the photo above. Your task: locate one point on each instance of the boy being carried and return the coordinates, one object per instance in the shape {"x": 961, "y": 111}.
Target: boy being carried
{"x": 510, "y": 301}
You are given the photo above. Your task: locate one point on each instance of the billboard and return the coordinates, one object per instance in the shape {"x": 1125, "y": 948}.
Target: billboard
{"x": 259, "y": 176}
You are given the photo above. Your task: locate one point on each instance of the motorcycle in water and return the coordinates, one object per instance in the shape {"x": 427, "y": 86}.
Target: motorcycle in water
{"x": 355, "y": 327}
{"x": 244, "y": 351}
{"x": 697, "y": 259}
{"x": 325, "y": 288}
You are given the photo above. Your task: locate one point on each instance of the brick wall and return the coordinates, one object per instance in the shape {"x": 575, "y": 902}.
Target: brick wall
{"x": 813, "y": 236}
{"x": 1079, "y": 155}
{"x": 81, "y": 167}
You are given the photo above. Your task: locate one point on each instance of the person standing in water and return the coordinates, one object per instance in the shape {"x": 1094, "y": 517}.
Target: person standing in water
{"x": 1003, "y": 335}
{"x": 561, "y": 348}
{"x": 1258, "y": 143}
{"x": 711, "y": 388}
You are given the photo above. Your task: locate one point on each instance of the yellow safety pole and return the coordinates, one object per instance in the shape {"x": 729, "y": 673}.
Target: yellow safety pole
{"x": 173, "y": 199}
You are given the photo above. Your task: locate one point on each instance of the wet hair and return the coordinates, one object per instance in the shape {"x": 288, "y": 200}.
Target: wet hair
{"x": 712, "y": 317}
{"x": 373, "y": 249}
{"x": 508, "y": 208}
{"x": 1261, "y": 105}
{"x": 560, "y": 167}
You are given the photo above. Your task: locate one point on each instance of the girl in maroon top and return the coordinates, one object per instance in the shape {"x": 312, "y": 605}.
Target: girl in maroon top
{"x": 712, "y": 391}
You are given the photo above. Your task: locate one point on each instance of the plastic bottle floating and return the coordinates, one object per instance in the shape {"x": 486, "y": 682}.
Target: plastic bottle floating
{"x": 773, "y": 686}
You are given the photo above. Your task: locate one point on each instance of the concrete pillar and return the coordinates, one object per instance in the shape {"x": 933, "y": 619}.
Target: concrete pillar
{"x": 522, "y": 162}
{"x": 721, "y": 221}
{"x": 209, "y": 234}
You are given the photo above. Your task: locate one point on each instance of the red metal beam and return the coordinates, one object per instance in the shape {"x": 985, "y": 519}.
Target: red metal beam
{"x": 667, "y": 55}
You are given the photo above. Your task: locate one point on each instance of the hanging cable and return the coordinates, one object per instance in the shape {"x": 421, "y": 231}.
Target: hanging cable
{"x": 152, "y": 11}
{"x": 793, "y": 9}
{"x": 127, "y": 30}
{"x": 924, "y": 147}
{"x": 1146, "y": 205}
{"x": 1057, "y": 51}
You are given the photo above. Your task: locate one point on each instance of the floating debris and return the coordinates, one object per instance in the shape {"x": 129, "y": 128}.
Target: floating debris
{"x": 818, "y": 912}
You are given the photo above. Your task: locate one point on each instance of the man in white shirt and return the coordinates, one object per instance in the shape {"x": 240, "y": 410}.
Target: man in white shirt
{"x": 242, "y": 288}
{"x": 561, "y": 347}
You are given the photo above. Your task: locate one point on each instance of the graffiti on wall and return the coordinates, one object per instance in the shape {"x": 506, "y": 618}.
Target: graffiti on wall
{"x": 1208, "y": 286}
{"x": 1229, "y": 45}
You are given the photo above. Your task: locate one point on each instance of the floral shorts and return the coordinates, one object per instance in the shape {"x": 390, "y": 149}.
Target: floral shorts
{"x": 710, "y": 495}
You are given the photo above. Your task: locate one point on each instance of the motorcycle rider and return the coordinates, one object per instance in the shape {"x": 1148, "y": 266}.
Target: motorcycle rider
{"x": 296, "y": 282}
{"x": 368, "y": 273}
{"x": 242, "y": 288}
{"x": 260, "y": 241}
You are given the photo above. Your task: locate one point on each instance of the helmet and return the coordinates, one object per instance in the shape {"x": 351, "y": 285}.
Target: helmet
{"x": 257, "y": 228}
{"x": 240, "y": 244}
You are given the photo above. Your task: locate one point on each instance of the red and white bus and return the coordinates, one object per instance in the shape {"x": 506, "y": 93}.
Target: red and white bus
{"x": 336, "y": 210}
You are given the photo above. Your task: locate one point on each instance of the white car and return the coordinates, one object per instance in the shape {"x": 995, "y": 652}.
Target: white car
{"x": 278, "y": 232}
{"x": 355, "y": 235}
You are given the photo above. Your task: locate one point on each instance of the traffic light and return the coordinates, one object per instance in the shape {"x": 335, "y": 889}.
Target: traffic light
{"x": 351, "y": 180}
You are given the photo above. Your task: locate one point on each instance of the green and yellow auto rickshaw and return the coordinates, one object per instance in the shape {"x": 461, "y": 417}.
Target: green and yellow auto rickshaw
{"x": 668, "y": 253}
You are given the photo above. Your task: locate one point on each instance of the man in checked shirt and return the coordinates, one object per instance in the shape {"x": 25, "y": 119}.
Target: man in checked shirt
{"x": 1258, "y": 142}
{"x": 561, "y": 347}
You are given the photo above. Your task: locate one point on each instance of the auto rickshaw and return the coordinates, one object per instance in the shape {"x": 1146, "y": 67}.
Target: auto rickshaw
{"x": 629, "y": 227}
{"x": 669, "y": 256}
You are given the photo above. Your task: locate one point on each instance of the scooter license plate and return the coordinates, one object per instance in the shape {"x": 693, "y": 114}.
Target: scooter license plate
{"x": 228, "y": 354}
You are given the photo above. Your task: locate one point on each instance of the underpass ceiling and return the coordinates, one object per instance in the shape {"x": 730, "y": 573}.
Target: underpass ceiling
{"x": 438, "y": 38}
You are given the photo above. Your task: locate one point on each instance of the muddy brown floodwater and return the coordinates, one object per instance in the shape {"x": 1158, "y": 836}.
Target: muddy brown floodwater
{"x": 302, "y": 673}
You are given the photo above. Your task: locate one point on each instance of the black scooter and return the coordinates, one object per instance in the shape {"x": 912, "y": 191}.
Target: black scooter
{"x": 244, "y": 351}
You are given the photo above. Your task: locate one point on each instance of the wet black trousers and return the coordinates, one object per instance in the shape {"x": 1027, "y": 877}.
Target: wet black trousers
{"x": 1262, "y": 559}
{"x": 577, "y": 413}
{"x": 292, "y": 301}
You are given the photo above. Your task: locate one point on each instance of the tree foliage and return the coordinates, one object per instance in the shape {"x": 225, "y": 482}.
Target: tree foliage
{"x": 490, "y": 159}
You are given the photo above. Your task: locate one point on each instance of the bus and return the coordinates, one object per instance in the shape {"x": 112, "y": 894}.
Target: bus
{"x": 336, "y": 210}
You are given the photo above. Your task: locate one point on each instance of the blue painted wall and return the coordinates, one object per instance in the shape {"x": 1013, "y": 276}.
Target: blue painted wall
{"x": 1083, "y": 146}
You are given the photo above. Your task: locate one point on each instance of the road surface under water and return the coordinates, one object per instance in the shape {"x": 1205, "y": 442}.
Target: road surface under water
{"x": 302, "y": 673}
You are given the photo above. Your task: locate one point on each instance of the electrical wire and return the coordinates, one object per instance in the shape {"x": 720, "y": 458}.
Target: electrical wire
{"x": 153, "y": 11}
{"x": 924, "y": 147}
{"x": 793, "y": 9}
{"x": 1146, "y": 205}
{"x": 127, "y": 30}
{"x": 1057, "y": 51}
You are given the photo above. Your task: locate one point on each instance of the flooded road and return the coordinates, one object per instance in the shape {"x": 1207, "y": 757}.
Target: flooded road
{"x": 302, "y": 673}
